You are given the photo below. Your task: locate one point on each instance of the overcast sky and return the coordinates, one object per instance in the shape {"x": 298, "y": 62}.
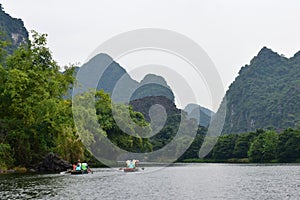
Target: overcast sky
{"x": 230, "y": 31}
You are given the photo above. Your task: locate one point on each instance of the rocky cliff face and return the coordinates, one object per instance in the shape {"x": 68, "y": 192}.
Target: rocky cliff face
{"x": 52, "y": 163}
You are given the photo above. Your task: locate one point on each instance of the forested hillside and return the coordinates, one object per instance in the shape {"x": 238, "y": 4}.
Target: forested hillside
{"x": 266, "y": 94}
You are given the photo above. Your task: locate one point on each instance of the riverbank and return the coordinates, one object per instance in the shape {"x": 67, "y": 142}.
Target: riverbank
{"x": 23, "y": 170}
{"x": 19, "y": 170}
{"x": 232, "y": 160}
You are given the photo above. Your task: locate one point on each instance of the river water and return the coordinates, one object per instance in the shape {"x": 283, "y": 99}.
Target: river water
{"x": 181, "y": 181}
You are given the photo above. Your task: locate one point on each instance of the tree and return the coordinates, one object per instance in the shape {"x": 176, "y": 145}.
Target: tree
{"x": 242, "y": 144}
{"x": 101, "y": 120}
{"x": 224, "y": 148}
{"x": 289, "y": 145}
{"x": 112, "y": 117}
{"x": 263, "y": 148}
{"x": 6, "y": 157}
{"x": 34, "y": 113}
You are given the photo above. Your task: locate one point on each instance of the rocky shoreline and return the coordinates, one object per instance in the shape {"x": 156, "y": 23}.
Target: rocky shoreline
{"x": 50, "y": 164}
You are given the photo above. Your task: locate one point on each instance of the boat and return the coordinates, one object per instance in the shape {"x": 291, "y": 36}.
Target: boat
{"x": 131, "y": 166}
{"x": 76, "y": 172}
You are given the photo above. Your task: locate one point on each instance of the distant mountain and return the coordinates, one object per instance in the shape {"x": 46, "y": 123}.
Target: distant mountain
{"x": 12, "y": 30}
{"x": 102, "y": 71}
{"x": 142, "y": 95}
{"x": 201, "y": 114}
{"x": 116, "y": 81}
{"x": 266, "y": 94}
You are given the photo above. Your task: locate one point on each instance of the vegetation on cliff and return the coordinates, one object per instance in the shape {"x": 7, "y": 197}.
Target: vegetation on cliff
{"x": 266, "y": 94}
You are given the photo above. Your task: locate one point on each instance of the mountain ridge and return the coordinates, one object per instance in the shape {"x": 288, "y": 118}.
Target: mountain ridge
{"x": 123, "y": 89}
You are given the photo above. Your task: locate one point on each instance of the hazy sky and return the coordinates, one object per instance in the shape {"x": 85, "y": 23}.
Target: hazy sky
{"x": 230, "y": 31}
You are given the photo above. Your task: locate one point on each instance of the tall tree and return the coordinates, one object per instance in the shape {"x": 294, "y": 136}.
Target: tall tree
{"x": 33, "y": 111}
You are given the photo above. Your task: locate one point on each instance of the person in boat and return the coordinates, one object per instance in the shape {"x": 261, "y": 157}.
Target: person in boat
{"x": 78, "y": 162}
{"x": 130, "y": 164}
{"x": 84, "y": 166}
{"x": 78, "y": 167}
{"x": 135, "y": 162}
{"x": 74, "y": 166}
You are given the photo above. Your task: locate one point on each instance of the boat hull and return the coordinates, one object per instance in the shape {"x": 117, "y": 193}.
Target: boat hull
{"x": 131, "y": 169}
{"x": 76, "y": 172}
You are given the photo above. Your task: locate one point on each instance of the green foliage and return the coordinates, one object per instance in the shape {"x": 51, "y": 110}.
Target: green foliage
{"x": 34, "y": 116}
{"x": 124, "y": 130}
{"x": 259, "y": 146}
{"x": 68, "y": 146}
{"x": 243, "y": 143}
{"x": 193, "y": 150}
{"x": 289, "y": 146}
{"x": 86, "y": 119}
{"x": 116, "y": 122}
{"x": 224, "y": 149}
{"x": 264, "y": 146}
{"x": 167, "y": 133}
{"x": 6, "y": 157}
{"x": 3, "y": 46}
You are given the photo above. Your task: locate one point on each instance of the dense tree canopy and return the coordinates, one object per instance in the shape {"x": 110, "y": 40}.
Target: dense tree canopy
{"x": 288, "y": 149}
{"x": 260, "y": 146}
{"x": 34, "y": 117}
{"x": 263, "y": 148}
